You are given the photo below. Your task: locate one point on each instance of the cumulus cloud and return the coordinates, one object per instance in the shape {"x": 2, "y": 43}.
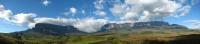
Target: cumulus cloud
{"x": 194, "y": 24}
{"x": 150, "y": 10}
{"x": 100, "y": 13}
{"x": 183, "y": 11}
{"x": 5, "y": 14}
{"x": 90, "y": 25}
{"x": 45, "y": 2}
{"x": 99, "y": 6}
{"x": 73, "y": 10}
{"x": 118, "y": 9}
{"x": 20, "y": 18}
{"x": 24, "y": 18}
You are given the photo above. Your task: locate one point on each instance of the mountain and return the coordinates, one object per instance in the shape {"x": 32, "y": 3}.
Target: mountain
{"x": 150, "y": 24}
{"x": 50, "y": 29}
{"x": 157, "y": 24}
{"x": 114, "y": 27}
{"x": 55, "y": 29}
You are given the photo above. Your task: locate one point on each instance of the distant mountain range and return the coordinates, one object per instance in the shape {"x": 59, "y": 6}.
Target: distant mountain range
{"x": 111, "y": 33}
{"x": 51, "y": 29}
{"x": 139, "y": 25}
{"x": 113, "y": 27}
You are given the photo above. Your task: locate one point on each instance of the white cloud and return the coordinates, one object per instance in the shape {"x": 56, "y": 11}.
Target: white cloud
{"x": 130, "y": 16}
{"x": 24, "y": 18}
{"x": 73, "y": 10}
{"x": 19, "y": 19}
{"x": 5, "y": 14}
{"x": 56, "y": 21}
{"x": 118, "y": 9}
{"x": 100, "y": 13}
{"x": 140, "y": 1}
{"x": 144, "y": 10}
{"x": 31, "y": 25}
{"x": 194, "y": 24}
{"x": 45, "y": 2}
{"x": 99, "y": 4}
{"x": 90, "y": 25}
{"x": 183, "y": 11}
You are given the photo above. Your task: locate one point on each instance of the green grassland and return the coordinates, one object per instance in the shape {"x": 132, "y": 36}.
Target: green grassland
{"x": 139, "y": 37}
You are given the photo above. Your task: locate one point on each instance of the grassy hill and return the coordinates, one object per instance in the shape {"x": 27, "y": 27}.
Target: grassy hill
{"x": 139, "y": 37}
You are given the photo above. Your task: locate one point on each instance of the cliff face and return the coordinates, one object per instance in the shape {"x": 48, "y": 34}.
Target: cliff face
{"x": 142, "y": 25}
{"x": 51, "y": 29}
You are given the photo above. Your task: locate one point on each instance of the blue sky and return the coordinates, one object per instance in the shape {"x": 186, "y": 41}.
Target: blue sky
{"x": 93, "y": 10}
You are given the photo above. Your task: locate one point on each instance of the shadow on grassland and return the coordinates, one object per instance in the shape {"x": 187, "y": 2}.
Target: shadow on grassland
{"x": 183, "y": 39}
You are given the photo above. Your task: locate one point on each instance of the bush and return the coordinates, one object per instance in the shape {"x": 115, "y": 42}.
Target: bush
{"x": 7, "y": 40}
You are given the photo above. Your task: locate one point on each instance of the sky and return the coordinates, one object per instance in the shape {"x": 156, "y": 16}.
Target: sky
{"x": 90, "y": 15}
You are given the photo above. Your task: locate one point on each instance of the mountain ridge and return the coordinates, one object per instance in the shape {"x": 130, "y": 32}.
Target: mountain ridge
{"x": 51, "y": 29}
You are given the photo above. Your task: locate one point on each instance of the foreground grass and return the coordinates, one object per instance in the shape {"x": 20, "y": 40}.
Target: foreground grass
{"x": 140, "y": 37}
